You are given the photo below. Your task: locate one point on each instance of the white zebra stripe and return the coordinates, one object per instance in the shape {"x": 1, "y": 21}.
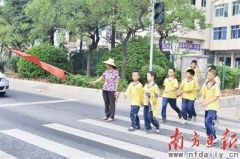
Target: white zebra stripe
{"x": 46, "y": 144}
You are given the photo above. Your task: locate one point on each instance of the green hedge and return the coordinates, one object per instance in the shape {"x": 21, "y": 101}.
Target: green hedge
{"x": 46, "y": 53}
{"x": 12, "y": 63}
{"x": 232, "y": 77}
{"x": 83, "y": 81}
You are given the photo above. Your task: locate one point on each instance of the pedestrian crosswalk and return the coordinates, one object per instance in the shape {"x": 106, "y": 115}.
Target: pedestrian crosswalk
{"x": 4, "y": 155}
{"x": 47, "y": 144}
{"x": 116, "y": 136}
{"x": 107, "y": 140}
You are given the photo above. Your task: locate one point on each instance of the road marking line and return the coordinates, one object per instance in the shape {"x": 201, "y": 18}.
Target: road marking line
{"x": 157, "y": 137}
{"x": 201, "y": 124}
{"x": 34, "y": 103}
{"x": 4, "y": 155}
{"x": 108, "y": 141}
{"x": 46, "y": 144}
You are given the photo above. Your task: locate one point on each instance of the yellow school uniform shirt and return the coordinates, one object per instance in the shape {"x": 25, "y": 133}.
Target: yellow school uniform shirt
{"x": 217, "y": 80}
{"x": 135, "y": 92}
{"x": 189, "y": 85}
{"x": 210, "y": 93}
{"x": 153, "y": 90}
{"x": 170, "y": 84}
{"x": 197, "y": 72}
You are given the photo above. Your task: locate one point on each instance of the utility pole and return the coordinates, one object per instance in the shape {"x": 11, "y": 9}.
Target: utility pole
{"x": 158, "y": 18}
{"x": 152, "y": 29}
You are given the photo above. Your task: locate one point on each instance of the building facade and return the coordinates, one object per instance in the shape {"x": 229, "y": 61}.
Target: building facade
{"x": 223, "y": 39}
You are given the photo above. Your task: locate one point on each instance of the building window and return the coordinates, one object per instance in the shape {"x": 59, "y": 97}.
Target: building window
{"x": 189, "y": 42}
{"x": 220, "y": 33}
{"x": 221, "y": 10}
{"x": 235, "y": 31}
{"x": 236, "y": 8}
{"x": 204, "y": 3}
{"x": 193, "y": 2}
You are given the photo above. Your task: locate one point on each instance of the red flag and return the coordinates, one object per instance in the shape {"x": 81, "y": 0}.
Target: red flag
{"x": 51, "y": 69}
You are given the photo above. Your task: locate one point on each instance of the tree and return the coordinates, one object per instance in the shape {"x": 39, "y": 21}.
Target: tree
{"x": 85, "y": 20}
{"x": 180, "y": 16}
{"x": 129, "y": 17}
{"x": 48, "y": 16}
{"x": 138, "y": 57}
{"x": 15, "y": 25}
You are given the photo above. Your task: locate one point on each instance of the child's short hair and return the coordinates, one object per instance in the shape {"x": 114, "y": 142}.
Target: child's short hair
{"x": 194, "y": 61}
{"x": 136, "y": 71}
{"x": 153, "y": 74}
{"x": 172, "y": 68}
{"x": 191, "y": 71}
{"x": 212, "y": 67}
{"x": 213, "y": 71}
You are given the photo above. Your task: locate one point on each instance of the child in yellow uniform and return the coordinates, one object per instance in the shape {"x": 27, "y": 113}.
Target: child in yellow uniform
{"x": 196, "y": 77}
{"x": 196, "y": 70}
{"x": 135, "y": 91}
{"x": 150, "y": 102}
{"x": 169, "y": 95}
{"x": 218, "y": 81}
{"x": 187, "y": 91}
{"x": 210, "y": 101}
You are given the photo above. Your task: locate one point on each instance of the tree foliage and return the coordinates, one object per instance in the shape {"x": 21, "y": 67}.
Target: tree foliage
{"x": 88, "y": 25}
{"x": 138, "y": 59}
{"x": 23, "y": 21}
{"x": 48, "y": 16}
{"x": 127, "y": 17}
{"x": 15, "y": 25}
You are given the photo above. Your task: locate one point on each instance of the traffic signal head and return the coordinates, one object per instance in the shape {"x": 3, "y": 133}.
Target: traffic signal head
{"x": 159, "y": 13}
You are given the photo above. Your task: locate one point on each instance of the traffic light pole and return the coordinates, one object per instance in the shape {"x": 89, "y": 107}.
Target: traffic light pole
{"x": 152, "y": 32}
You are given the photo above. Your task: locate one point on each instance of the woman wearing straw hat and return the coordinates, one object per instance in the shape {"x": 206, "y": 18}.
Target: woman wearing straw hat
{"x": 110, "y": 86}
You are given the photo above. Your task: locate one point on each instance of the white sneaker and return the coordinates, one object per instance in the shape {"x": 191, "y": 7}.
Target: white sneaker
{"x": 184, "y": 121}
{"x": 194, "y": 118}
{"x": 215, "y": 141}
{"x": 157, "y": 130}
{"x": 211, "y": 145}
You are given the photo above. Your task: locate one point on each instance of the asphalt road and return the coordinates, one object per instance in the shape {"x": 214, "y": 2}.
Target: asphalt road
{"x": 35, "y": 126}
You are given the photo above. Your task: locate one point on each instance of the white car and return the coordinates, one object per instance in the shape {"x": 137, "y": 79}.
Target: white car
{"x": 4, "y": 84}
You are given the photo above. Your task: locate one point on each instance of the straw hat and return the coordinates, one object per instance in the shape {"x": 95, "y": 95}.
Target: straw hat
{"x": 110, "y": 61}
